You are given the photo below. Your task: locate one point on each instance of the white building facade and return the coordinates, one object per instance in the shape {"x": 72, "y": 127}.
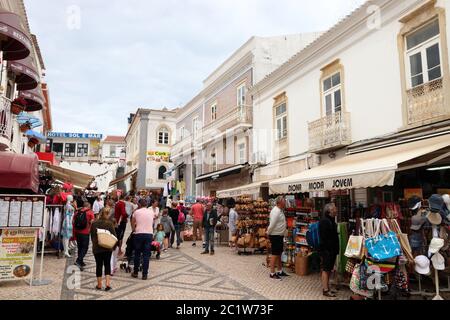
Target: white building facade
{"x": 149, "y": 139}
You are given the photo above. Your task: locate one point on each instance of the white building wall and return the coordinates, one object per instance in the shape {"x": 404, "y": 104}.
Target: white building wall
{"x": 94, "y": 169}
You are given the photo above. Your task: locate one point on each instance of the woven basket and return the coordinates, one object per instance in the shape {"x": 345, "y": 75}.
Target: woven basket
{"x": 106, "y": 239}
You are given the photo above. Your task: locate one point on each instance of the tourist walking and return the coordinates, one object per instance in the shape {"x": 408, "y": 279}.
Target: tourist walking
{"x": 197, "y": 212}
{"x": 98, "y": 205}
{"x": 232, "y": 221}
{"x": 329, "y": 246}
{"x": 174, "y": 213}
{"x": 169, "y": 227}
{"x": 154, "y": 209}
{"x": 142, "y": 225}
{"x": 83, "y": 219}
{"x": 209, "y": 225}
{"x": 276, "y": 232}
{"x": 121, "y": 216}
{"x": 102, "y": 255}
{"x": 67, "y": 226}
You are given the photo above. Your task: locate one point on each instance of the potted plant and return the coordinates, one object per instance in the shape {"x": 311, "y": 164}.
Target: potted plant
{"x": 18, "y": 105}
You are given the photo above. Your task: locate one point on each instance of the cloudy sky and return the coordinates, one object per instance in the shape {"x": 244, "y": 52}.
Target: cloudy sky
{"x": 106, "y": 58}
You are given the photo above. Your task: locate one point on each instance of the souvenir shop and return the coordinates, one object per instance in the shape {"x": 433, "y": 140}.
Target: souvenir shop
{"x": 373, "y": 192}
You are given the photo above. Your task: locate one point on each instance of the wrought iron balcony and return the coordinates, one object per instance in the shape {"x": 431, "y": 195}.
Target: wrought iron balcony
{"x": 5, "y": 123}
{"x": 426, "y": 102}
{"x": 330, "y": 132}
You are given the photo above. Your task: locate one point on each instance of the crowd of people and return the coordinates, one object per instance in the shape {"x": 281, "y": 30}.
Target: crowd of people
{"x": 155, "y": 226}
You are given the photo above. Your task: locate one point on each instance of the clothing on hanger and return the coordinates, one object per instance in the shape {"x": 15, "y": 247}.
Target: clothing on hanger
{"x": 56, "y": 227}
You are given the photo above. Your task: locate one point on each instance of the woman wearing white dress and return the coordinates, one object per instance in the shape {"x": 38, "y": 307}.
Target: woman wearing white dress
{"x": 67, "y": 226}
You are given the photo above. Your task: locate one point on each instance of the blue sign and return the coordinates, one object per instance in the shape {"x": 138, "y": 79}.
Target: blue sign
{"x": 75, "y": 135}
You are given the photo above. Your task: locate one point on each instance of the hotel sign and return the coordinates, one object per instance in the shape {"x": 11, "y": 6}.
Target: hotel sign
{"x": 92, "y": 136}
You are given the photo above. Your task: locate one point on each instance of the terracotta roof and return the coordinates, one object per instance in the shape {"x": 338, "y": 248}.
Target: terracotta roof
{"x": 115, "y": 139}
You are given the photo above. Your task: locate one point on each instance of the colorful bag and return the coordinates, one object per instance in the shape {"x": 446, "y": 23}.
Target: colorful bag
{"x": 355, "y": 246}
{"x": 350, "y": 266}
{"x": 404, "y": 241}
{"x": 381, "y": 267}
{"x": 383, "y": 247}
{"x": 401, "y": 280}
{"x": 355, "y": 283}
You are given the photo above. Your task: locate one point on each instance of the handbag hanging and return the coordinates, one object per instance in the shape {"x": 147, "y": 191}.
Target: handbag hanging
{"x": 355, "y": 282}
{"x": 385, "y": 246}
{"x": 355, "y": 246}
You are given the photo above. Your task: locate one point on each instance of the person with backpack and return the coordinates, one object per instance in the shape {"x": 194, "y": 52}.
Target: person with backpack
{"x": 83, "y": 219}
{"x": 276, "y": 231}
{"x": 175, "y": 214}
{"x": 328, "y": 246}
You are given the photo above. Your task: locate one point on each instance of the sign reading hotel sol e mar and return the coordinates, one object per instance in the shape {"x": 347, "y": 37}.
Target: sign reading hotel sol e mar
{"x": 95, "y": 136}
{"x": 365, "y": 180}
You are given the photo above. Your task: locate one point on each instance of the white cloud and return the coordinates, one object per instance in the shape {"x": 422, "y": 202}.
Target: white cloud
{"x": 152, "y": 53}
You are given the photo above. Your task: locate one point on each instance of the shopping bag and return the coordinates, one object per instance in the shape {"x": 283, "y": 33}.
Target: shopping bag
{"x": 383, "y": 246}
{"x": 404, "y": 241}
{"x": 354, "y": 247}
{"x": 356, "y": 285}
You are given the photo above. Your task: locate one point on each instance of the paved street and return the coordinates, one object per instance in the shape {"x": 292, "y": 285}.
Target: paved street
{"x": 180, "y": 275}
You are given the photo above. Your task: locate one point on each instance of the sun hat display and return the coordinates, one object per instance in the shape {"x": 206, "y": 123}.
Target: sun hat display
{"x": 414, "y": 203}
{"x": 417, "y": 221}
{"x": 438, "y": 261}
{"x": 436, "y": 203}
{"x": 436, "y": 244}
{"x": 422, "y": 265}
{"x": 434, "y": 218}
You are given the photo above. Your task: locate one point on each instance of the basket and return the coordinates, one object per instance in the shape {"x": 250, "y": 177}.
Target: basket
{"x": 106, "y": 239}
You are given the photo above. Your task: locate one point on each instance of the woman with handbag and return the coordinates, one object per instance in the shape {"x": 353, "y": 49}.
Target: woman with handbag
{"x": 102, "y": 252}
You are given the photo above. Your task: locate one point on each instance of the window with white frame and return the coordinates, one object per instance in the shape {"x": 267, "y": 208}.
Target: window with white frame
{"x": 195, "y": 127}
{"x": 241, "y": 95}
{"x": 214, "y": 112}
{"x": 423, "y": 54}
{"x": 163, "y": 136}
{"x": 213, "y": 160}
{"x": 332, "y": 94}
{"x": 82, "y": 150}
{"x": 241, "y": 153}
{"x": 182, "y": 133}
{"x": 281, "y": 121}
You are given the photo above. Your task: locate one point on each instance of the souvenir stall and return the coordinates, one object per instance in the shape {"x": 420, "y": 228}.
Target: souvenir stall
{"x": 252, "y": 225}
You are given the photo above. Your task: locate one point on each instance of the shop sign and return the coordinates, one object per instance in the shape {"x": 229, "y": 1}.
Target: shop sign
{"x": 16, "y": 253}
{"x": 295, "y": 188}
{"x": 17, "y": 211}
{"x": 68, "y": 135}
{"x": 158, "y": 156}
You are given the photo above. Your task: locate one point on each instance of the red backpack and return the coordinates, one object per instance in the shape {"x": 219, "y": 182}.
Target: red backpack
{"x": 181, "y": 217}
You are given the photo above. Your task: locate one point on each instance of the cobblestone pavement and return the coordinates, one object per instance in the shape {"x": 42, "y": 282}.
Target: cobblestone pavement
{"x": 182, "y": 274}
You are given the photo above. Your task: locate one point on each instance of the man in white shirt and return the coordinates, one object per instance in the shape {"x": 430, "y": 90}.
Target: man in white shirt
{"x": 276, "y": 232}
{"x": 98, "y": 205}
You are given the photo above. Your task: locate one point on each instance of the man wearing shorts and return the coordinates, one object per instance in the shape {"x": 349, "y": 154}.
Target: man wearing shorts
{"x": 329, "y": 246}
{"x": 197, "y": 211}
{"x": 276, "y": 232}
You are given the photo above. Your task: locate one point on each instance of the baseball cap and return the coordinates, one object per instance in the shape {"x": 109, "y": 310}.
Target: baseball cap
{"x": 438, "y": 261}
{"x": 436, "y": 203}
{"x": 414, "y": 203}
{"x": 422, "y": 265}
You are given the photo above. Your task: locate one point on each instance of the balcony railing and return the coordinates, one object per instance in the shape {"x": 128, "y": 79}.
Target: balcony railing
{"x": 5, "y": 123}
{"x": 330, "y": 132}
{"x": 426, "y": 102}
{"x": 237, "y": 115}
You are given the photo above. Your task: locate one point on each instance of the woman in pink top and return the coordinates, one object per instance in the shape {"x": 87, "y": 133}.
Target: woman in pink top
{"x": 142, "y": 223}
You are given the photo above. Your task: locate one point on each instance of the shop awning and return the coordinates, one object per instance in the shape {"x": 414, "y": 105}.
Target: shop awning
{"x": 36, "y": 135}
{"x": 34, "y": 98}
{"x": 122, "y": 178}
{"x": 369, "y": 169}
{"x": 24, "y": 118}
{"x": 14, "y": 40}
{"x": 19, "y": 171}
{"x": 221, "y": 173}
{"x": 249, "y": 189}
{"x": 25, "y": 70}
{"x": 66, "y": 175}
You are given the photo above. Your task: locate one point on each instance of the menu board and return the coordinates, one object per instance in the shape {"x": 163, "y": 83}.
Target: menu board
{"x": 16, "y": 253}
{"x": 21, "y": 211}
{"x": 25, "y": 214}
{"x": 14, "y": 213}
{"x": 4, "y": 213}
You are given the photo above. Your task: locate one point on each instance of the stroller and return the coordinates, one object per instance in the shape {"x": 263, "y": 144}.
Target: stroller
{"x": 129, "y": 254}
